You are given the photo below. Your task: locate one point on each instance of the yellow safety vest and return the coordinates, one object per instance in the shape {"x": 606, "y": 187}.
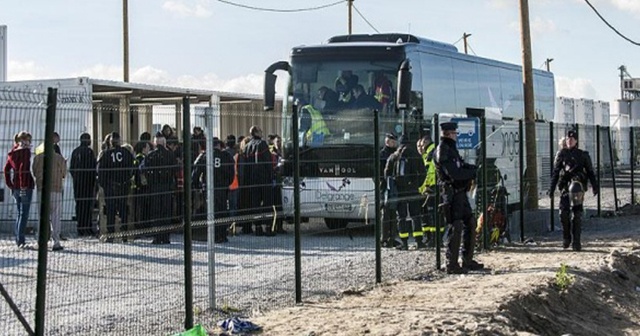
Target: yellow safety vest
{"x": 318, "y": 126}
{"x": 430, "y": 179}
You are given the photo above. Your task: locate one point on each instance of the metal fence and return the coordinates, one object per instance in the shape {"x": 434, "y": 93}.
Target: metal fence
{"x": 166, "y": 244}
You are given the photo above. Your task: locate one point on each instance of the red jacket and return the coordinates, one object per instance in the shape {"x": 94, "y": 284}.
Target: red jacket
{"x": 18, "y": 163}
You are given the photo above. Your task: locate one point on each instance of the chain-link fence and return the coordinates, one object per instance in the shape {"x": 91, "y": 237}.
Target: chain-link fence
{"x": 160, "y": 212}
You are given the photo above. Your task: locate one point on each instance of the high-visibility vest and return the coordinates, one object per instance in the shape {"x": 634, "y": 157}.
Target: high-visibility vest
{"x": 235, "y": 184}
{"x": 318, "y": 126}
{"x": 430, "y": 179}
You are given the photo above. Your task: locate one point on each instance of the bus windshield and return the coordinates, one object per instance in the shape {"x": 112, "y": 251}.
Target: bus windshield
{"x": 336, "y": 99}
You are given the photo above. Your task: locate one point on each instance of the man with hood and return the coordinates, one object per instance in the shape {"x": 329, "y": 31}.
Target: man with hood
{"x": 18, "y": 178}
{"x": 83, "y": 171}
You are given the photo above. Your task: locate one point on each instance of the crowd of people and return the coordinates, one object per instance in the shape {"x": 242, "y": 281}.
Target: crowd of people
{"x": 139, "y": 190}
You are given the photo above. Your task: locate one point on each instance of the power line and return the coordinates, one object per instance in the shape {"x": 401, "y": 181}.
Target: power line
{"x": 365, "y": 19}
{"x": 295, "y": 10}
{"x": 456, "y": 42}
{"x": 610, "y": 26}
{"x": 473, "y": 51}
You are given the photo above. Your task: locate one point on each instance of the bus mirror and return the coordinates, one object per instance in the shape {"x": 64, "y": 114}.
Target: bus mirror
{"x": 404, "y": 86}
{"x": 270, "y": 83}
{"x": 269, "y": 91}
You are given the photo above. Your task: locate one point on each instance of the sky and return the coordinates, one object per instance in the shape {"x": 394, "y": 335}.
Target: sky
{"x": 210, "y": 44}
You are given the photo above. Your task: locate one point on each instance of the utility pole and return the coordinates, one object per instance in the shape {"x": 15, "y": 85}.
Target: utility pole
{"x": 125, "y": 32}
{"x": 531, "y": 173}
{"x": 350, "y": 5}
{"x": 464, "y": 37}
{"x": 547, "y": 63}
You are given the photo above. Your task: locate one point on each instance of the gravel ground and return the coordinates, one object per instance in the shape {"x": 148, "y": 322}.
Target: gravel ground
{"x": 95, "y": 288}
{"x": 133, "y": 288}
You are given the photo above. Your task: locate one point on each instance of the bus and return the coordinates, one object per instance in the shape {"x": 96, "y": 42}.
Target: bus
{"x": 336, "y": 168}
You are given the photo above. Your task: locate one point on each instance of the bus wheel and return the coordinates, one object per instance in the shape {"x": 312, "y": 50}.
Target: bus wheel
{"x": 336, "y": 223}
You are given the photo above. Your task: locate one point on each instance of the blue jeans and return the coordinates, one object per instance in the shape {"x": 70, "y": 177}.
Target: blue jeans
{"x": 23, "y": 202}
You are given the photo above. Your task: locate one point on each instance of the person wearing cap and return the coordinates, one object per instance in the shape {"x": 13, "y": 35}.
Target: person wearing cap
{"x": 18, "y": 178}
{"x": 115, "y": 170}
{"x": 83, "y": 171}
{"x": 454, "y": 177}
{"x": 406, "y": 169}
{"x": 572, "y": 168}
{"x": 389, "y": 194}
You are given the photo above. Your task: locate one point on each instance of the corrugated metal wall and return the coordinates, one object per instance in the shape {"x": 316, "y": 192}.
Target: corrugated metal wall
{"x": 237, "y": 117}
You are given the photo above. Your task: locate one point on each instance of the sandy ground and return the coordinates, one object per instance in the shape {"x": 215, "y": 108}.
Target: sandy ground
{"x": 518, "y": 294}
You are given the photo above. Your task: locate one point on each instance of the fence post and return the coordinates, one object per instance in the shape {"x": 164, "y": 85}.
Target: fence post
{"x": 188, "y": 262}
{"x": 552, "y": 217}
{"x": 632, "y": 141}
{"x": 211, "y": 255}
{"x": 613, "y": 171}
{"x": 598, "y": 163}
{"x": 376, "y": 183}
{"x": 436, "y": 141}
{"x": 521, "y": 169}
{"x": 483, "y": 149}
{"x": 296, "y": 203}
{"x": 45, "y": 210}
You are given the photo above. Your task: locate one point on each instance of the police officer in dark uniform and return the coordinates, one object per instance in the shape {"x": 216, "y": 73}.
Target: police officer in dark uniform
{"x": 259, "y": 170}
{"x": 571, "y": 170}
{"x": 389, "y": 193}
{"x": 115, "y": 169}
{"x": 406, "y": 168}
{"x": 222, "y": 177}
{"x": 83, "y": 170}
{"x": 454, "y": 179}
{"x": 160, "y": 167}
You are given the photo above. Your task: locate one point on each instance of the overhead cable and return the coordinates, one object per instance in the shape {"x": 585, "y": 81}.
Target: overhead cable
{"x": 295, "y": 10}
{"x": 610, "y": 26}
{"x": 365, "y": 19}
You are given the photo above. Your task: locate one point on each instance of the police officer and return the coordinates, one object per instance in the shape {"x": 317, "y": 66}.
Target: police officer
{"x": 571, "y": 170}
{"x": 160, "y": 167}
{"x": 115, "y": 169}
{"x": 223, "y": 166}
{"x": 406, "y": 168}
{"x": 259, "y": 170}
{"x": 454, "y": 179}
{"x": 389, "y": 193}
{"x": 83, "y": 171}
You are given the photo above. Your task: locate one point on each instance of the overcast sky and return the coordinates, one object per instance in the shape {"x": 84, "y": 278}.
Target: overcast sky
{"x": 213, "y": 45}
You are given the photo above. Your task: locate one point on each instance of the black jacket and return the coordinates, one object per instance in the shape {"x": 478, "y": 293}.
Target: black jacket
{"x": 83, "y": 168}
{"x": 451, "y": 169}
{"x": 406, "y": 167}
{"x": 115, "y": 166}
{"x": 160, "y": 167}
{"x": 572, "y": 163}
{"x": 258, "y": 167}
{"x": 223, "y": 170}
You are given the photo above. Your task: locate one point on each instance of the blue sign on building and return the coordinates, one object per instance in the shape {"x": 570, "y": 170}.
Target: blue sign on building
{"x": 468, "y": 132}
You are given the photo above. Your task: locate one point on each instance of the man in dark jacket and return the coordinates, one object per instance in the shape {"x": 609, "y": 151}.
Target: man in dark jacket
{"x": 259, "y": 170}
{"x": 406, "y": 168}
{"x": 572, "y": 168}
{"x": 222, "y": 177}
{"x": 389, "y": 194}
{"x": 160, "y": 167}
{"x": 83, "y": 171}
{"x": 454, "y": 178}
{"x": 115, "y": 169}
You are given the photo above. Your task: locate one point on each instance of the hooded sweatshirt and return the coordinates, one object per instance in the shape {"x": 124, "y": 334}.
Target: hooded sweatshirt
{"x": 17, "y": 170}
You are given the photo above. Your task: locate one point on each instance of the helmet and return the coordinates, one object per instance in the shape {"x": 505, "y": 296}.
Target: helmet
{"x": 576, "y": 193}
